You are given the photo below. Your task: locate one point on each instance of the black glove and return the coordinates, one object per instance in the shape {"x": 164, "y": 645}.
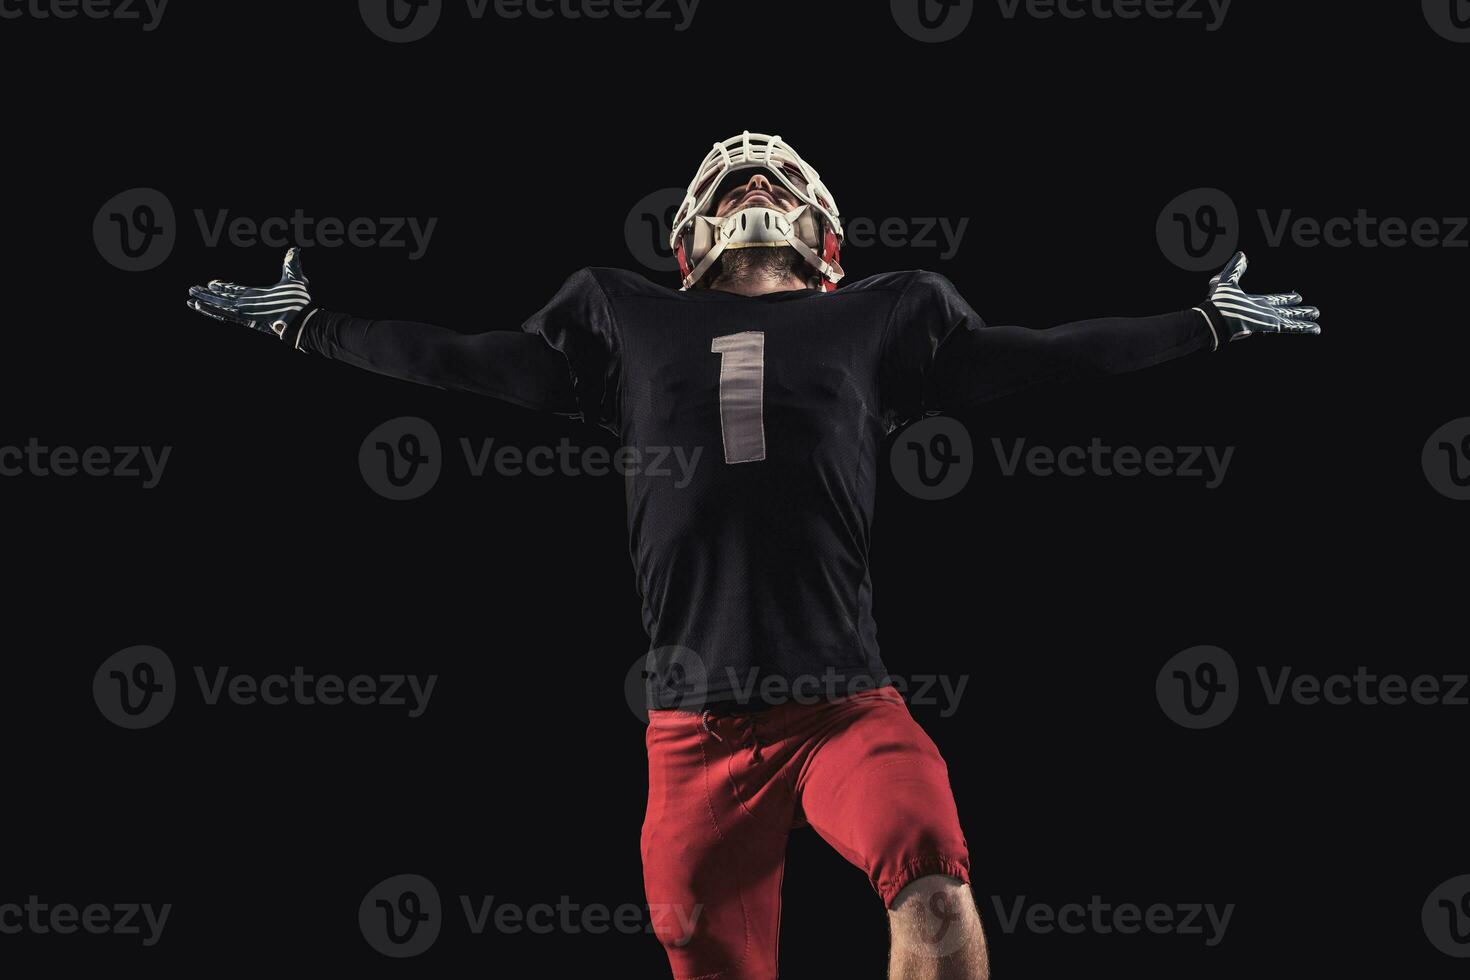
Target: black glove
{"x": 1234, "y": 313}
{"x": 269, "y": 309}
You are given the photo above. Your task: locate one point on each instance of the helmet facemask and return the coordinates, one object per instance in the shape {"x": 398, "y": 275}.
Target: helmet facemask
{"x": 812, "y": 229}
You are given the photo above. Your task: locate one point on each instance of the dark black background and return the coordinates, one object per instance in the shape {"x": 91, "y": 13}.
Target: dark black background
{"x": 262, "y": 548}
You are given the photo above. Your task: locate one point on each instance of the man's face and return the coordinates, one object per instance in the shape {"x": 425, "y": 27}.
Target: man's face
{"x": 760, "y": 191}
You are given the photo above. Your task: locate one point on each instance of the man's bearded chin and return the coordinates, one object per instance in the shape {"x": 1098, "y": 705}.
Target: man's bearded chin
{"x": 776, "y": 264}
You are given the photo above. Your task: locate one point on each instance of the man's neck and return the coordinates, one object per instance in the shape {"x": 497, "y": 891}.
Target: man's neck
{"x": 757, "y": 285}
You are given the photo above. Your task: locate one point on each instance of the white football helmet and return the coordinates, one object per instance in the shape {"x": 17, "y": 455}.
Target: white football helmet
{"x": 813, "y": 229}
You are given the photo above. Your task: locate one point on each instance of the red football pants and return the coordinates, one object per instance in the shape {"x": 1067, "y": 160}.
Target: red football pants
{"x": 724, "y": 792}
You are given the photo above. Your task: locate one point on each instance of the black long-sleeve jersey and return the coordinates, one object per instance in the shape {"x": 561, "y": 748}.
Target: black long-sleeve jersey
{"x": 759, "y": 562}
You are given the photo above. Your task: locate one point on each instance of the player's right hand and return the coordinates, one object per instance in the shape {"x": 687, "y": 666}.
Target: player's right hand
{"x": 269, "y": 309}
{"x": 1243, "y": 314}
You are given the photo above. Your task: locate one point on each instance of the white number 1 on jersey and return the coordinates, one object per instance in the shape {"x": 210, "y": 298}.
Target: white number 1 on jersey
{"x": 742, "y": 401}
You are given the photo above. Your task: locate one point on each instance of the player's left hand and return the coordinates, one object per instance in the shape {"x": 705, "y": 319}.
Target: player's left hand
{"x": 1236, "y": 313}
{"x": 269, "y": 309}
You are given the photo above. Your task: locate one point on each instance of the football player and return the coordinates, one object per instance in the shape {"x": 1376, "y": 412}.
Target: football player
{"x": 756, "y": 570}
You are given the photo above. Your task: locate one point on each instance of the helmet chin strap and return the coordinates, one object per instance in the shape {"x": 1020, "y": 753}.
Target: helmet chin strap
{"x": 757, "y": 227}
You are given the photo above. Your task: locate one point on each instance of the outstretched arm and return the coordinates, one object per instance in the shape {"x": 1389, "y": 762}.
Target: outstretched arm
{"x": 977, "y": 365}
{"x": 963, "y": 362}
{"x": 520, "y": 368}
{"x": 507, "y": 365}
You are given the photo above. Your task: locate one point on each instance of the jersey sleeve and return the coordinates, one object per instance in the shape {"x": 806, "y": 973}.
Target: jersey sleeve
{"x": 939, "y": 355}
{"x": 928, "y": 311}
{"x": 578, "y": 325}
{"x": 502, "y": 364}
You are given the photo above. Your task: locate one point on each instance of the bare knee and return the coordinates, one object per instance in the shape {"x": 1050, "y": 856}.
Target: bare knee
{"x": 936, "y": 933}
